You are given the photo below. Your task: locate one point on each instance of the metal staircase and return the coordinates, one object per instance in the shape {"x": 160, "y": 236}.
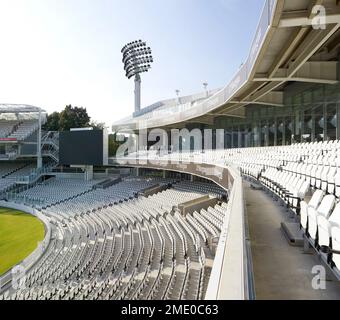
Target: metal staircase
{"x": 50, "y": 146}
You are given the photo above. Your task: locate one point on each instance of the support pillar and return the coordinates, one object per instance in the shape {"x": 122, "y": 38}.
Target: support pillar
{"x": 88, "y": 173}
{"x": 138, "y": 84}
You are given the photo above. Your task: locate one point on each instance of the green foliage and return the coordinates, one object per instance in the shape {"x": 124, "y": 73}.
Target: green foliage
{"x": 52, "y": 122}
{"x": 97, "y": 125}
{"x": 113, "y": 144}
{"x": 70, "y": 117}
{"x": 73, "y": 117}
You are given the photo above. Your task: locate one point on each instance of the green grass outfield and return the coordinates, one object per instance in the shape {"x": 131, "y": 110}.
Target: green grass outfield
{"x": 19, "y": 237}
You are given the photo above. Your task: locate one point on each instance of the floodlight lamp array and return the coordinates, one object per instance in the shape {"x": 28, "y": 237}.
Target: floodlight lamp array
{"x": 137, "y": 58}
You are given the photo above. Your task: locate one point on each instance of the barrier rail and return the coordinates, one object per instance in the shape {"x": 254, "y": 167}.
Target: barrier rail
{"x": 230, "y": 275}
{"x": 34, "y": 175}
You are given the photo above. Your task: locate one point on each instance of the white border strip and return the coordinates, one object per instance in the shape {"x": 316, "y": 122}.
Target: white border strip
{"x": 39, "y": 251}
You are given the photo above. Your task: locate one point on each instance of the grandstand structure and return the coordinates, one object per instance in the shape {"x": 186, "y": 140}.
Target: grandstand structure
{"x": 23, "y": 152}
{"x": 279, "y": 121}
{"x": 113, "y": 244}
{"x": 285, "y": 92}
{"x": 186, "y": 224}
{"x": 19, "y": 128}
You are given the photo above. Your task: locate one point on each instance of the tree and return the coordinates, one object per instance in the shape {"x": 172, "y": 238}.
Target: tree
{"x": 97, "y": 125}
{"x": 73, "y": 117}
{"x": 113, "y": 144}
{"x": 52, "y": 123}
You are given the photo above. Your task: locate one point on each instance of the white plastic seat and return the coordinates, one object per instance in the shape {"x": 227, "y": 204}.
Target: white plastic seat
{"x": 325, "y": 225}
{"x": 335, "y": 233}
{"x": 324, "y": 210}
{"x": 312, "y": 204}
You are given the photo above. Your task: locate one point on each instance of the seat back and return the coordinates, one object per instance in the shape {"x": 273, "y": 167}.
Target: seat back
{"x": 316, "y": 199}
{"x": 326, "y": 206}
{"x": 335, "y": 216}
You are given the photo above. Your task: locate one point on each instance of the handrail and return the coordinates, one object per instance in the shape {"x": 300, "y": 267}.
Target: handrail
{"x": 230, "y": 275}
{"x": 34, "y": 175}
{"x": 229, "y": 265}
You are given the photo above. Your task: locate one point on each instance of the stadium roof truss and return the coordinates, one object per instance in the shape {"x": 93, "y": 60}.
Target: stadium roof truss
{"x": 288, "y": 47}
{"x": 15, "y": 112}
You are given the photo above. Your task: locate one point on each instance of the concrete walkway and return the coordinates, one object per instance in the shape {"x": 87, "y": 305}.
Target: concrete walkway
{"x": 281, "y": 272}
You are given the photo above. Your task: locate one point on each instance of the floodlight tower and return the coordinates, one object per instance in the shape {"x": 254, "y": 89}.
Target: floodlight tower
{"x": 137, "y": 58}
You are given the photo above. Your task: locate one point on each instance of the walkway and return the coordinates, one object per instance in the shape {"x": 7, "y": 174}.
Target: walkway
{"x": 281, "y": 272}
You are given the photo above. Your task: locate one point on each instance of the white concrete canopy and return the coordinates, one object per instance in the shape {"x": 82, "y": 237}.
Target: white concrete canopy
{"x": 287, "y": 47}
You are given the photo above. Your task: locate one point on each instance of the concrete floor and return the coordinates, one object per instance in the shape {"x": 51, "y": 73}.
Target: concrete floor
{"x": 281, "y": 272}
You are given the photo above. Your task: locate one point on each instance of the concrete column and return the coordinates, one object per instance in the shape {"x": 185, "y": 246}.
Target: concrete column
{"x": 88, "y": 173}
{"x": 239, "y": 142}
{"x": 138, "y": 83}
{"x": 275, "y": 133}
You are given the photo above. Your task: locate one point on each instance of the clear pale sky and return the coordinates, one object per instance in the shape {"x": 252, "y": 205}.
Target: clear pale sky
{"x": 58, "y": 52}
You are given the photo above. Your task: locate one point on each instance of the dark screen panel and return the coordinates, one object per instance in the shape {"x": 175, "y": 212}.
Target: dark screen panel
{"x": 81, "y": 147}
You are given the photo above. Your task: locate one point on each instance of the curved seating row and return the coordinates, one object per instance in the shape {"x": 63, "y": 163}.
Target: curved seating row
{"x": 135, "y": 249}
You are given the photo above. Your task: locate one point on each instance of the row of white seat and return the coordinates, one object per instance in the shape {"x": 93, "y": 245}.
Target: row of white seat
{"x": 132, "y": 250}
{"x": 320, "y": 221}
{"x": 293, "y": 174}
{"x": 24, "y": 129}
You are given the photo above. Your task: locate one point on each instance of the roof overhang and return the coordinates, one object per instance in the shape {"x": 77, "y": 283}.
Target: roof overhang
{"x": 14, "y": 112}
{"x": 288, "y": 47}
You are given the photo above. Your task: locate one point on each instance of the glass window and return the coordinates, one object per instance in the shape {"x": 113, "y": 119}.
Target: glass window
{"x": 319, "y": 122}
{"x": 331, "y": 121}
{"x": 227, "y": 140}
{"x": 256, "y": 135}
{"x": 307, "y": 125}
{"x": 273, "y": 132}
{"x": 289, "y": 130}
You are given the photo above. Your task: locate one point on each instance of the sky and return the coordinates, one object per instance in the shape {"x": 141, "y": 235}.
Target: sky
{"x": 59, "y": 52}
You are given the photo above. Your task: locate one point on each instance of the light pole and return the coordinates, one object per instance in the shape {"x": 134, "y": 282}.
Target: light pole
{"x": 205, "y": 85}
{"x": 137, "y": 58}
{"x": 177, "y": 94}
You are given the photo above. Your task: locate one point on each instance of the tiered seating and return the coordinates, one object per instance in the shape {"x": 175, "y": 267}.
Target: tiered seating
{"x": 138, "y": 248}
{"x": 55, "y": 191}
{"x": 24, "y": 130}
{"x": 25, "y": 170}
{"x": 320, "y": 221}
{"x": 8, "y": 168}
{"x": 113, "y": 244}
{"x": 202, "y": 187}
{"x": 6, "y": 128}
{"x": 9, "y": 171}
{"x": 304, "y": 177}
{"x": 5, "y": 184}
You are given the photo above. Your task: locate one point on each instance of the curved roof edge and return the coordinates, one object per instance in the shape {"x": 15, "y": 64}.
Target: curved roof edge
{"x": 19, "y": 108}
{"x": 289, "y": 46}
{"x": 225, "y": 94}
